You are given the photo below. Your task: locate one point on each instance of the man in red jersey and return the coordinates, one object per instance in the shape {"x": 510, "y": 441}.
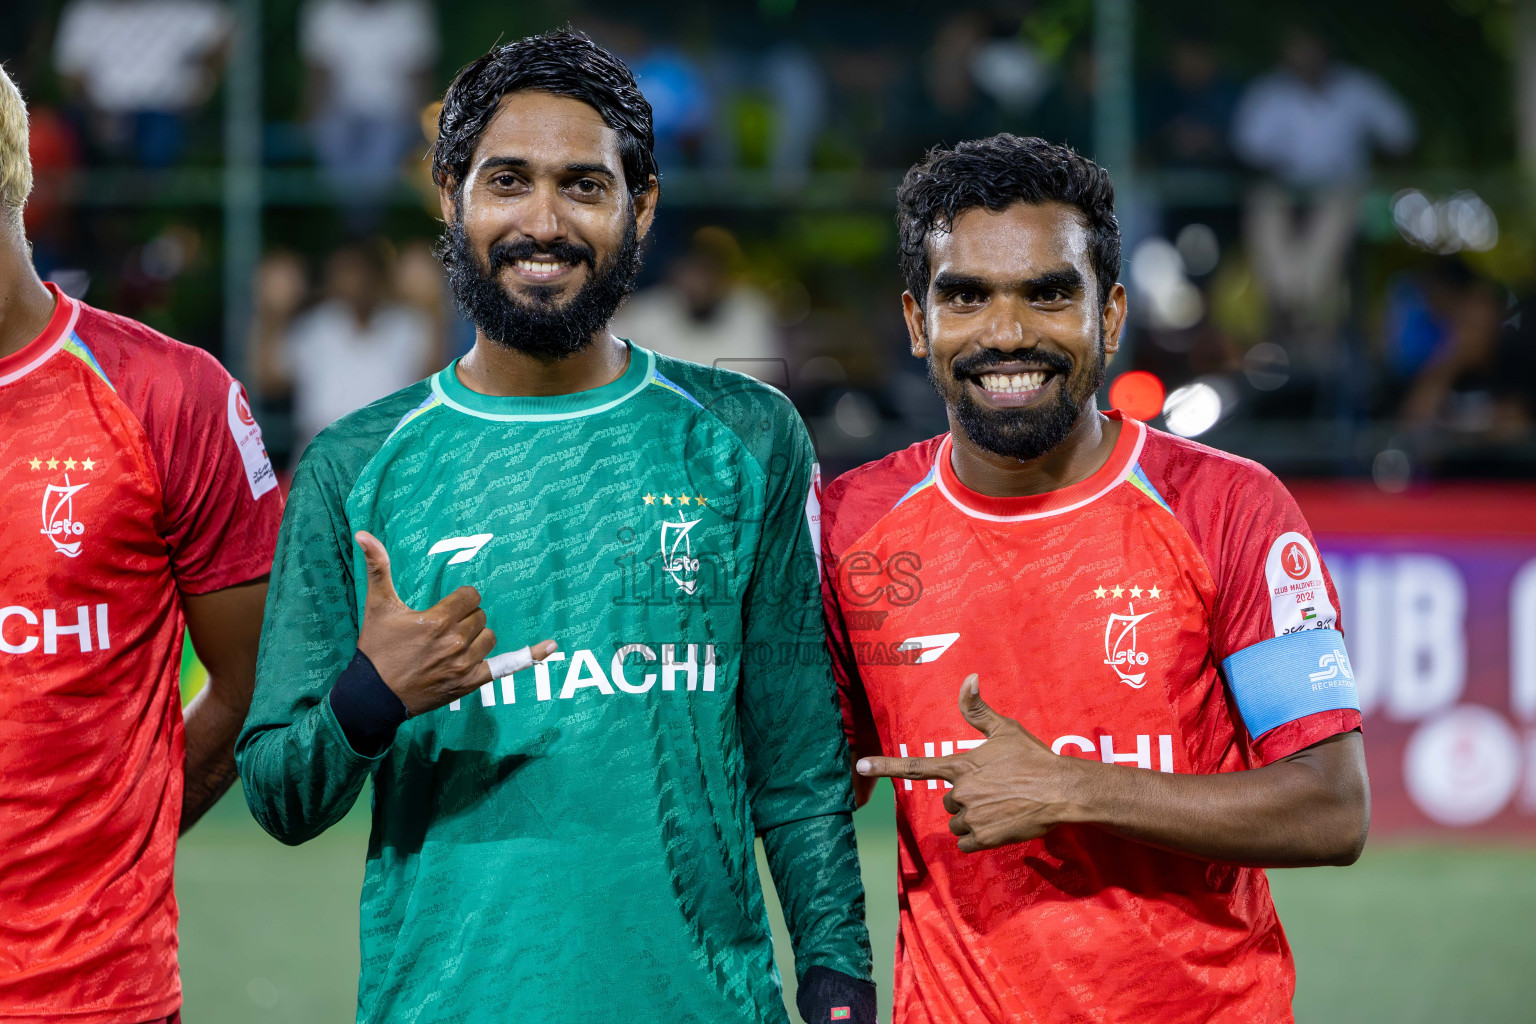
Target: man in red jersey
{"x": 1169, "y": 704}
{"x": 136, "y": 500}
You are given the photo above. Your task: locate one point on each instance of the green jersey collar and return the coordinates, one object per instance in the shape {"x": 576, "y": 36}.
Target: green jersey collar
{"x": 447, "y": 387}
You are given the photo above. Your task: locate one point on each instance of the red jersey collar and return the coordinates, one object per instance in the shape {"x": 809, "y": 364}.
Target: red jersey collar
{"x": 37, "y": 351}
{"x": 1121, "y": 461}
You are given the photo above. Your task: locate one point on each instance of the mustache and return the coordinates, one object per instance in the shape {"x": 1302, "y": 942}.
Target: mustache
{"x": 504, "y": 254}
{"x": 969, "y": 366}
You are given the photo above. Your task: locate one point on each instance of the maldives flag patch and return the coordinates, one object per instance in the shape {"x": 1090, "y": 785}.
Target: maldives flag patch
{"x": 841, "y": 1013}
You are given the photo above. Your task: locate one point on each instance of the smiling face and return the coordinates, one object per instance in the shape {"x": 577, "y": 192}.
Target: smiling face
{"x": 1012, "y": 325}
{"x": 544, "y": 235}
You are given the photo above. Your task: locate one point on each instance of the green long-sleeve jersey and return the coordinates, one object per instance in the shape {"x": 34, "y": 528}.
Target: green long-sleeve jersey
{"x": 574, "y": 841}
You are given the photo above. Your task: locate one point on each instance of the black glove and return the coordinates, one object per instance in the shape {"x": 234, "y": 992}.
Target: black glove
{"x": 826, "y": 996}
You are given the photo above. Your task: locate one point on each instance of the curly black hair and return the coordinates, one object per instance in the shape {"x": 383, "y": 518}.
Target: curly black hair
{"x": 565, "y": 63}
{"x": 995, "y": 173}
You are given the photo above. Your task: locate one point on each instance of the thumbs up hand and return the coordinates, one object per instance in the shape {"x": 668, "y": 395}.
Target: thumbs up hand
{"x": 431, "y": 657}
{"x": 1008, "y": 790}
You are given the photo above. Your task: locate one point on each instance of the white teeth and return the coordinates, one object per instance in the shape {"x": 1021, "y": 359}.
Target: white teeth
{"x": 1013, "y": 383}
{"x": 538, "y": 266}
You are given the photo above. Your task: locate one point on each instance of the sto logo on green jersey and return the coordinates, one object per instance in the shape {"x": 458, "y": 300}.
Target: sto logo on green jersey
{"x": 676, "y": 546}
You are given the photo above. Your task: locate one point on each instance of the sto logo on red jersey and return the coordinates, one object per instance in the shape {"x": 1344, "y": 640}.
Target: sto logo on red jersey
{"x": 60, "y": 526}
{"x": 1122, "y": 652}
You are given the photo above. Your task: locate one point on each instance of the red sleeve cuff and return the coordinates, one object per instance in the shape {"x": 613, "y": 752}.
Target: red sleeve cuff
{"x": 1285, "y": 740}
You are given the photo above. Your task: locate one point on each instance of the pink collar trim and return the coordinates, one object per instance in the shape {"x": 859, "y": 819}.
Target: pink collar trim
{"x": 66, "y": 311}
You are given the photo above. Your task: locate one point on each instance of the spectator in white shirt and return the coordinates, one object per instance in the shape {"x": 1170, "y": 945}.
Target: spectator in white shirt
{"x": 369, "y": 62}
{"x": 356, "y": 346}
{"x": 1312, "y": 126}
{"x": 704, "y": 314}
{"x": 141, "y": 66}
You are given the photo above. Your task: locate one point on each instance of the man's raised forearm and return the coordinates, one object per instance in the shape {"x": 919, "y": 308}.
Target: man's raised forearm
{"x": 1312, "y": 807}
{"x": 1308, "y": 809}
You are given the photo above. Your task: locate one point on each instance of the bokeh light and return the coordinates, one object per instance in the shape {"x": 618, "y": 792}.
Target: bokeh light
{"x": 1138, "y": 394}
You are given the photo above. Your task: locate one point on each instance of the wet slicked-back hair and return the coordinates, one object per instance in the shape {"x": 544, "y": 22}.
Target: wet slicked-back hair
{"x": 565, "y": 63}
{"x": 995, "y": 173}
{"x": 15, "y": 163}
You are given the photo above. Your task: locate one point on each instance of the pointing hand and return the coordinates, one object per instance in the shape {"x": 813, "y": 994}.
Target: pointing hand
{"x": 1008, "y": 790}
{"x": 429, "y": 658}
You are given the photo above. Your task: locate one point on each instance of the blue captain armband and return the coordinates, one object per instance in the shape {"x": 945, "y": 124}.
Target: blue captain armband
{"x": 1290, "y": 677}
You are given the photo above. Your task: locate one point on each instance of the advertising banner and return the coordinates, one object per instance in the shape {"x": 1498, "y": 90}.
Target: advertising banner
{"x": 1439, "y": 612}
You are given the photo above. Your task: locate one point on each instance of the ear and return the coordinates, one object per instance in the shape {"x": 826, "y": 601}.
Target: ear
{"x": 917, "y": 327}
{"x": 447, "y": 202}
{"x": 1114, "y": 320}
{"x": 645, "y": 207}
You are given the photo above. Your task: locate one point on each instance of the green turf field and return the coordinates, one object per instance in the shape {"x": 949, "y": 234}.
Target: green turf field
{"x": 1412, "y": 933}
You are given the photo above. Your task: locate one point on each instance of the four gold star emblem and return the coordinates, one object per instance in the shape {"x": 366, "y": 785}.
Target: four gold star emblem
{"x": 668, "y": 499}
{"x": 1153, "y": 592}
{"x": 36, "y": 463}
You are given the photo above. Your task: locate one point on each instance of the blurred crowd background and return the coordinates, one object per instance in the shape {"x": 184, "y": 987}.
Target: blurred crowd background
{"x": 1329, "y": 242}
{"x": 1330, "y": 238}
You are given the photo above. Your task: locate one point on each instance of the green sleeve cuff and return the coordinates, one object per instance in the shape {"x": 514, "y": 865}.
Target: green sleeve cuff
{"x": 301, "y": 779}
{"x": 815, "y": 868}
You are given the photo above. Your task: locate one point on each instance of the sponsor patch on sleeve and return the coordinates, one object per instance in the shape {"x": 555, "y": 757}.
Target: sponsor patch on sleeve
{"x": 1286, "y": 678}
{"x": 1298, "y": 597}
{"x": 247, "y": 435}
{"x": 813, "y": 513}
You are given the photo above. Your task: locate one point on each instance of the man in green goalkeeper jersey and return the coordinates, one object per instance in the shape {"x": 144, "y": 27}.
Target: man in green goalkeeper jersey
{"x": 563, "y": 834}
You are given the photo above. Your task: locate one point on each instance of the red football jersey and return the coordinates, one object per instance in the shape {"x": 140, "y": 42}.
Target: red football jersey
{"x": 1099, "y": 616}
{"x": 130, "y": 469}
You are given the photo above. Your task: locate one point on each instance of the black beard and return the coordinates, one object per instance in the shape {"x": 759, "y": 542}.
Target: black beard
{"x": 1021, "y": 433}
{"x": 540, "y": 328}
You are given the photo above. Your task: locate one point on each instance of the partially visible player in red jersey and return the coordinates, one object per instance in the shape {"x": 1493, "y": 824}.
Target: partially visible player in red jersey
{"x": 1169, "y": 706}
{"x": 136, "y": 501}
